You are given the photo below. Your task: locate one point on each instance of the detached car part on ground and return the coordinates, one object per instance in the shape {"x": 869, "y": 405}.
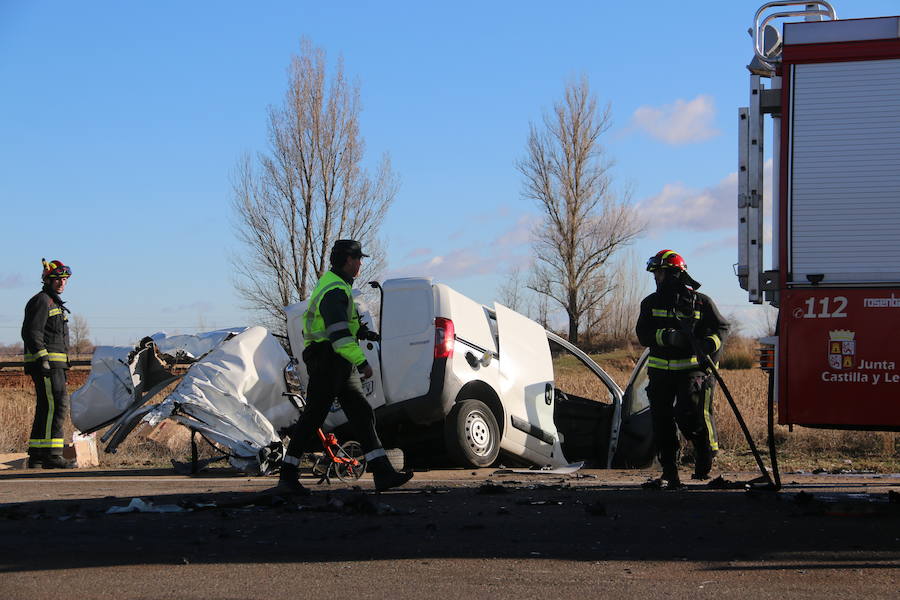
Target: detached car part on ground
{"x": 233, "y": 393}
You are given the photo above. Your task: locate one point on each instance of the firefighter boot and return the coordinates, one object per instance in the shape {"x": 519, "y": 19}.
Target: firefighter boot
{"x": 288, "y": 481}
{"x": 56, "y": 461}
{"x": 384, "y": 474}
{"x": 703, "y": 458}
{"x": 670, "y": 476}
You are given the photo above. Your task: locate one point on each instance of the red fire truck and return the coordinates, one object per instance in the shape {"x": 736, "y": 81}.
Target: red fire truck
{"x": 832, "y": 90}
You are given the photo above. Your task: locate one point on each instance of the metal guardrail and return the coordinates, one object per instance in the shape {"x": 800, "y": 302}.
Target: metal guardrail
{"x": 19, "y": 364}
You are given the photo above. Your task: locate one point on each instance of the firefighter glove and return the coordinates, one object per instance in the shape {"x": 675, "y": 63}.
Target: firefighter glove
{"x": 45, "y": 367}
{"x": 676, "y": 339}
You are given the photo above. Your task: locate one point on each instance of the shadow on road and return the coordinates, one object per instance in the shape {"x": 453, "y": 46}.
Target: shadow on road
{"x": 513, "y": 520}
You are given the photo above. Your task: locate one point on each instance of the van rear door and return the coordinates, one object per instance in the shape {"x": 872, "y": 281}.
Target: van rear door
{"x": 526, "y": 386}
{"x": 407, "y": 337}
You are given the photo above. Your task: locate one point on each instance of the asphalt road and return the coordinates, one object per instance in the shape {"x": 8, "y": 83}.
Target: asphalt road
{"x": 447, "y": 534}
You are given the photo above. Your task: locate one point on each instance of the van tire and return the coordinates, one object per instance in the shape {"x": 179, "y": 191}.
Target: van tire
{"x": 472, "y": 435}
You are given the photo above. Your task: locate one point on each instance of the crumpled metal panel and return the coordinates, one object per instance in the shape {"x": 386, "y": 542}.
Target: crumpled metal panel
{"x": 117, "y": 370}
{"x": 235, "y": 396}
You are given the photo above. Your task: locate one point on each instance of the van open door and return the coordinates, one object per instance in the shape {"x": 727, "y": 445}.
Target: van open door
{"x": 407, "y": 337}
{"x": 372, "y": 387}
{"x": 636, "y": 448}
{"x": 526, "y": 388}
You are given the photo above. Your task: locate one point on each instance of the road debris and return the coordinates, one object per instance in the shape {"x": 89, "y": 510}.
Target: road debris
{"x": 489, "y": 487}
{"x": 142, "y": 506}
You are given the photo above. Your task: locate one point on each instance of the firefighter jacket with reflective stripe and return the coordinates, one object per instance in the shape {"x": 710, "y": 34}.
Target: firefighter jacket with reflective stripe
{"x": 659, "y": 314}
{"x": 331, "y": 317}
{"x": 45, "y": 331}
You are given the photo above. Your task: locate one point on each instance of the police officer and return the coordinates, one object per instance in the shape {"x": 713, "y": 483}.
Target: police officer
{"x": 336, "y": 366}
{"x": 675, "y": 321}
{"x": 45, "y": 332}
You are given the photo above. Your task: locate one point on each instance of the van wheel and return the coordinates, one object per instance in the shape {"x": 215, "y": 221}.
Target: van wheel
{"x": 472, "y": 434}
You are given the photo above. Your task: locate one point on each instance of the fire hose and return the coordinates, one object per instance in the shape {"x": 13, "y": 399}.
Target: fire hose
{"x": 770, "y": 484}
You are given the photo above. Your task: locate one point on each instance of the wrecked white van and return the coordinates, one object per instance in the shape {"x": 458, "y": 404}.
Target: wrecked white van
{"x": 451, "y": 373}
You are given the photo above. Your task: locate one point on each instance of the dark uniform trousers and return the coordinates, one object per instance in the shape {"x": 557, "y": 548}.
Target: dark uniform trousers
{"x": 50, "y": 413}
{"x": 332, "y": 377}
{"x": 685, "y": 398}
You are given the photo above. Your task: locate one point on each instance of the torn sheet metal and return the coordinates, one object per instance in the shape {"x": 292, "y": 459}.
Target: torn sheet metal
{"x": 116, "y": 370}
{"x": 562, "y": 470}
{"x": 235, "y": 396}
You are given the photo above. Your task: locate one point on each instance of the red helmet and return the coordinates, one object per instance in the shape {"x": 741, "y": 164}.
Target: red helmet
{"x": 666, "y": 259}
{"x": 55, "y": 269}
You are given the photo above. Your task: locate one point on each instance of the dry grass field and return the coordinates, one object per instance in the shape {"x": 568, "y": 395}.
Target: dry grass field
{"x": 803, "y": 449}
{"x": 17, "y": 412}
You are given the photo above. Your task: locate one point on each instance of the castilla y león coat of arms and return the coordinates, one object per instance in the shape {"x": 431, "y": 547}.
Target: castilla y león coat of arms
{"x": 841, "y": 349}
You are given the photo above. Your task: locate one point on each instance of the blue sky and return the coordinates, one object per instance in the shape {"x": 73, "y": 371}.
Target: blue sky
{"x": 121, "y": 124}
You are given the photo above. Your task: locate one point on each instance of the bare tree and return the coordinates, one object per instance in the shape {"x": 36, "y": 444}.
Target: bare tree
{"x": 80, "y": 334}
{"x": 584, "y": 223}
{"x": 308, "y": 190}
{"x": 631, "y": 283}
{"x": 511, "y": 292}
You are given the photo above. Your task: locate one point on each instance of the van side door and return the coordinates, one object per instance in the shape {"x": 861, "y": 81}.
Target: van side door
{"x": 636, "y": 448}
{"x": 526, "y": 386}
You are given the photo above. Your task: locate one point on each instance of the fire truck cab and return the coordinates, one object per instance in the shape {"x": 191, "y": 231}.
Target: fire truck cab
{"x": 832, "y": 90}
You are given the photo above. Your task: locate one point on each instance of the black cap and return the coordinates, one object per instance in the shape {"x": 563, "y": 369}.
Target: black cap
{"x": 350, "y": 248}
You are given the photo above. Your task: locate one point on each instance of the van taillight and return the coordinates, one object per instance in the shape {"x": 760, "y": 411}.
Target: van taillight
{"x": 444, "y": 336}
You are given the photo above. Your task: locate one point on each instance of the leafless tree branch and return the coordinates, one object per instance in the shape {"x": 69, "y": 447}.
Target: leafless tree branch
{"x": 566, "y": 173}
{"x": 307, "y": 190}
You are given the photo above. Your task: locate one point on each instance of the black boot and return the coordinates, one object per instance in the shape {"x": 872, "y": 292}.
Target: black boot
{"x": 288, "y": 481}
{"x": 670, "y": 476}
{"x": 35, "y": 461}
{"x": 384, "y": 474}
{"x": 57, "y": 462}
{"x": 703, "y": 459}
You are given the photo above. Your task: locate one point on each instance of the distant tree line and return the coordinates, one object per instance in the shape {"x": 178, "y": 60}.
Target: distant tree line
{"x": 309, "y": 188}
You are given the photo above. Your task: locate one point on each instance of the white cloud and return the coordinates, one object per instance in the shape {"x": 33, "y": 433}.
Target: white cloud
{"x": 520, "y": 233}
{"x": 678, "y": 206}
{"x": 11, "y": 281}
{"x": 200, "y": 306}
{"x": 728, "y": 242}
{"x": 679, "y": 123}
{"x": 416, "y": 252}
{"x": 712, "y": 208}
{"x": 507, "y": 250}
{"x": 456, "y": 263}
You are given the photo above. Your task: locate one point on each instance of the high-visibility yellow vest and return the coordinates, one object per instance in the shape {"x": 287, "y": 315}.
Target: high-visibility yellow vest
{"x": 314, "y": 329}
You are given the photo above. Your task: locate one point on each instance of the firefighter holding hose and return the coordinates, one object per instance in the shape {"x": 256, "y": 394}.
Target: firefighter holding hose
{"x": 683, "y": 329}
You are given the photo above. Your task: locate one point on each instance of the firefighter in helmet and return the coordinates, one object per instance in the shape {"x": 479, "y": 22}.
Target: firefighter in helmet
{"x": 45, "y": 333}
{"x": 336, "y": 366}
{"x": 683, "y": 329}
